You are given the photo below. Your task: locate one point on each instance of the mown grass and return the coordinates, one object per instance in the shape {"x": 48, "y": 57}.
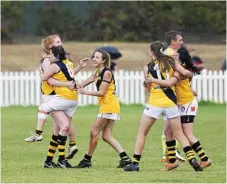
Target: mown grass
{"x": 23, "y": 162}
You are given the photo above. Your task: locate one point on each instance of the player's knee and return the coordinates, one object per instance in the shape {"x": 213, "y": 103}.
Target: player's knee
{"x": 178, "y": 134}
{"x": 143, "y": 132}
{"x": 93, "y": 133}
{"x": 105, "y": 137}
{"x": 42, "y": 114}
{"x": 168, "y": 132}
{"x": 64, "y": 129}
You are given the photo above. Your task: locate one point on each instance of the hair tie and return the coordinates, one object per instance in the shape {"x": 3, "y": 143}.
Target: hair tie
{"x": 162, "y": 51}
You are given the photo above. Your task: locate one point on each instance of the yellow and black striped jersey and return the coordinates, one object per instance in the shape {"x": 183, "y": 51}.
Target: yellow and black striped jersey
{"x": 109, "y": 103}
{"x": 161, "y": 96}
{"x": 66, "y": 73}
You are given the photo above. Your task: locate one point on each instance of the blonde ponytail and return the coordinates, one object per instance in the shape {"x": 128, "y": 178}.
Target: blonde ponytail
{"x": 107, "y": 61}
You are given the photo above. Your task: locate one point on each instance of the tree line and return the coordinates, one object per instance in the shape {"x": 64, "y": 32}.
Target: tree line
{"x": 119, "y": 20}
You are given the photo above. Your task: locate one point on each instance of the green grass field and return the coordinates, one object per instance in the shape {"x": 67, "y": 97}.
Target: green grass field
{"x": 23, "y": 162}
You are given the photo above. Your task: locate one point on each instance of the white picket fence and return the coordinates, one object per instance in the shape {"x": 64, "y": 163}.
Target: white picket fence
{"x": 23, "y": 88}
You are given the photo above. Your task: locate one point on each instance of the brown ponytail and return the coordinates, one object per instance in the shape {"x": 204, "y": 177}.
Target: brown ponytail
{"x": 165, "y": 62}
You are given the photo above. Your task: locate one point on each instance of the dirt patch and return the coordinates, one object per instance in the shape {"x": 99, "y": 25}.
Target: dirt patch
{"x": 26, "y": 57}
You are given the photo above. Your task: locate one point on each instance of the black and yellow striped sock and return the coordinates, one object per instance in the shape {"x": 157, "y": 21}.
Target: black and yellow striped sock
{"x": 72, "y": 143}
{"x": 61, "y": 146}
{"x": 38, "y": 131}
{"x": 52, "y": 148}
{"x": 189, "y": 153}
{"x": 123, "y": 155}
{"x": 199, "y": 151}
{"x": 136, "y": 159}
{"x": 171, "y": 150}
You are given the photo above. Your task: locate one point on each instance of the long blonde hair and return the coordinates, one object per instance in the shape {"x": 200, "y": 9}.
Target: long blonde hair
{"x": 47, "y": 43}
{"x": 105, "y": 57}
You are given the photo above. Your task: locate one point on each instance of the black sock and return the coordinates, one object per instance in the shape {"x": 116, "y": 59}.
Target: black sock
{"x": 199, "y": 151}
{"x": 87, "y": 157}
{"x": 38, "y": 132}
{"x": 136, "y": 159}
{"x": 72, "y": 143}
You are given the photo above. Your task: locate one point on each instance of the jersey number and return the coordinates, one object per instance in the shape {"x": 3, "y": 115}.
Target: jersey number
{"x": 70, "y": 70}
{"x": 159, "y": 74}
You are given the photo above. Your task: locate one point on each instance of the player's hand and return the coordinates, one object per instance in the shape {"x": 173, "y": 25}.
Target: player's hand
{"x": 78, "y": 86}
{"x": 70, "y": 85}
{"x": 194, "y": 92}
{"x": 148, "y": 80}
{"x": 82, "y": 91}
{"x": 84, "y": 62}
{"x": 147, "y": 85}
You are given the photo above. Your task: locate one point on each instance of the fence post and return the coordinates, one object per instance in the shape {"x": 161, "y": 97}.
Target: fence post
{"x": 204, "y": 81}
{"x": 220, "y": 78}
{"x": 27, "y": 91}
{"x": 121, "y": 86}
{"x": 137, "y": 79}
{"x": 21, "y": 88}
{"x": 1, "y": 88}
{"x": 142, "y": 89}
{"x": 210, "y": 91}
{"x": 132, "y": 92}
{"x": 215, "y": 86}
{"x": 127, "y": 79}
{"x": 199, "y": 87}
{"x": 32, "y": 88}
{"x": 37, "y": 87}
{"x": 17, "y": 92}
{"x": 6, "y": 89}
{"x": 225, "y": 85}
{"x": 11, "y": 89}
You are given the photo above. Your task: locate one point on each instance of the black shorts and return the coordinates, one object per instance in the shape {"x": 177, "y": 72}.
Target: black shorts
{"x": 187, "y": 119}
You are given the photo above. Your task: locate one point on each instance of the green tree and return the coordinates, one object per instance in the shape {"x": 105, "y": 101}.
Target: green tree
{"x": 208, "y": 17}
{"x": 52, "y": 19}
{"x": 131, "y": 21}
{"x": 12, "y": 12}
